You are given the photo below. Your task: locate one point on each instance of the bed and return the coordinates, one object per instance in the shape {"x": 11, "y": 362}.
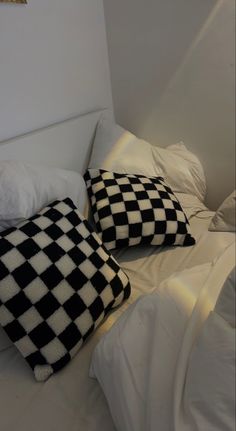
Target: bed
{"x": 87, "y": 394}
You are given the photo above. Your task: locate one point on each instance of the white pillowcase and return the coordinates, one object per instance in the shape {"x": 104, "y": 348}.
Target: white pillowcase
{"x": 182, "y": 169}
{"x": 26, "y": 188}
{"x": 120, "y": 151}
{"x": 224, "y": 219}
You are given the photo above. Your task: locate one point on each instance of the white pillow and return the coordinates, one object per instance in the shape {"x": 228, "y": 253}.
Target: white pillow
{"x": 182, "y": 169}
{"x": 120, "y": 151}
{"x": 26, "y": 188}
{"x": 224, "y": 219}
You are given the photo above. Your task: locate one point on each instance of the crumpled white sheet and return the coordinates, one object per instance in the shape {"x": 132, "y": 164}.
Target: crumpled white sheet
{"x": 142, "y": 362}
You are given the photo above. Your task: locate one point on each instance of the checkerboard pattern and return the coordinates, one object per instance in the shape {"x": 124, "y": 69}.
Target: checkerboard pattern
{"x": 133, "y": 209}
{"x": 57, "y": 283}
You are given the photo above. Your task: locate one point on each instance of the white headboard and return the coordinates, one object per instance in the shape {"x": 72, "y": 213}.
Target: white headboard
{"x": 65, "y": 145}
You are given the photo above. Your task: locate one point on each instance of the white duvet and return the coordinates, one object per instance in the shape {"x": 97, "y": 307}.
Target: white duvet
{"x": 154, "y": 364}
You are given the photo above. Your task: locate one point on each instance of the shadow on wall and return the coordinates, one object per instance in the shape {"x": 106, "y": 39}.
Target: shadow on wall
{"x": 172, "y": 69}
{"x": 147, "y": 44}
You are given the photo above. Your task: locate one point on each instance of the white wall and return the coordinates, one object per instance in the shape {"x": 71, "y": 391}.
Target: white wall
{"x": 172, "y": 70}
{"x": 53, "y": 63}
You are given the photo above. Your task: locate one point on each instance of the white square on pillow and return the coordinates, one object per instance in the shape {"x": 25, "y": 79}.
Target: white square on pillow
{"x": 7, "y": 294}
{"x": 26, "y": 345}
{"x": 113, "y": 190}
{"x": 30, "y": 319}
{"x": 107, "y": 296}
{"x": 88, "y": 294}
{"x": 86, "y": 248}
{"x": 63, "y": 292}
{"x": 180, "y": 216}
{"x": 108, "y": 221}
{"x": 65, "y": 265}
{"x": 6, "y": 316}
{"x": 168, "y": 203}
{"x": 179, "y": 238}
{"x": 43, "y": 222}
{"x": 88, "y": 267}
{"x": 129, "y": 196}
{"x": 65, "y": 243}
{"x": 59, "y": 320}
{"x": 160, "y": 214}
{"x": 121, "y": 275}
{"x": 171, "y": 226}
{"x": 144, "y": 204}
{"x": 12, "y": 259}
{"x": 148, "y": 227}
{"x": 109, "y": 275}
{"x": 111, "y": 245}
{"x": 134, "y": 241}
{"x": 152, "y": 194}
{"x": 42, "y": 240}
{"x": 123, "y": 181}
{"x": 122, "y": 231}
{"x": 40, "y": 262}
{"x": 160, "y": 238}
{"x": 82, "y": 229}
{"x": 62, "y": 208}
{"x": 139, "y": 187}
{"x": 35, "y": 291}
{"x": 134, "y": 217}
{"x": 84, "y": 322}
{"x": 118, "y": 207}
{"x": 53, "y": 351}
{"x": 102, "y": 254}
{"x": 64, "y": 225}
{"x": 17, "y": 237}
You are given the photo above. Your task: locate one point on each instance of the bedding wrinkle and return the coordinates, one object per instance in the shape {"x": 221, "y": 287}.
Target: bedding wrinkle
{"x": 158, "y": 321}
{"x": 220, "y": 269}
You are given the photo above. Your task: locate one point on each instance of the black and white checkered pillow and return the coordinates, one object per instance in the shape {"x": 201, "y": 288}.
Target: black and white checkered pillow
{"x": 133, "y": 209}
{"x": 57, "y": 282}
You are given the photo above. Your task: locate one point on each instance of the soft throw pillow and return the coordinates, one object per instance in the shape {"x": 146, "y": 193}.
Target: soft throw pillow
{"x": 57, "y": 283}
{"x": 224, "y": 219}
{"x": 26, "y": 188}
{"x": 134, "y": 209}
{"x": 115, "y": 149}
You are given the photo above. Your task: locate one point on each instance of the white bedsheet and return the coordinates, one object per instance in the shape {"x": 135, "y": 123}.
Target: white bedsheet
{"x": 70, "y": 400}
{"x": 142, "y": 362}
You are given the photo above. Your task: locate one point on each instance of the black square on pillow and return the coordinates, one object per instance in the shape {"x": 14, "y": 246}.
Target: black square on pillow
{"x": 134, "y": 209}
{"x": 56, "y": 285}
{"x": 24, "y": 274}
{"x": 30, "y": 229}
